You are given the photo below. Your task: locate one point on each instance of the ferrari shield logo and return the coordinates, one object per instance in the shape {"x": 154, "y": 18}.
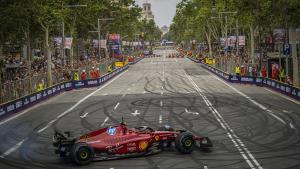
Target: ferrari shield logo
{"x": 143, "y": 145}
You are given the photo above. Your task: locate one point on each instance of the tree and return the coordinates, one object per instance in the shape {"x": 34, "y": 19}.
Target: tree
{"x": 48, "y": 13}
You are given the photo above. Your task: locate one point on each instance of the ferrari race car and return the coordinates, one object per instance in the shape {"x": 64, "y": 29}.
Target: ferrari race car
{"x": 121, "y": 142}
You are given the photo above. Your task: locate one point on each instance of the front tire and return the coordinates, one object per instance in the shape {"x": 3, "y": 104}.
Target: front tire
{"x": 185, "y": 143}
{"x": 82, "y": 154}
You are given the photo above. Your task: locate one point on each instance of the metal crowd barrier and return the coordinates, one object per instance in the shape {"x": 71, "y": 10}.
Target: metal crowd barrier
{"x": 24, "y": 102}
{"x": 283, "y": 88}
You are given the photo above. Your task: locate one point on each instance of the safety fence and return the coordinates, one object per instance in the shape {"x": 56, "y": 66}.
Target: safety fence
{"x": 17, "y": 105}
{"x": 283, "y": 88}
{"x": 12, "y": 90}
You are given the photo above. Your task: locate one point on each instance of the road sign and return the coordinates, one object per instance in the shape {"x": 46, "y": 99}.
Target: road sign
{"x": 286, "y": 49}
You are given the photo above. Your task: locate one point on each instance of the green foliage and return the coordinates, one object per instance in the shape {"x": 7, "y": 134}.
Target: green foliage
{"x": 193, "y": 17}
{"x": 22, "y": 20}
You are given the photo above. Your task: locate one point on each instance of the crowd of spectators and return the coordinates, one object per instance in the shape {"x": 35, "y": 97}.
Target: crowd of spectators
{"x": 15, "y": 73}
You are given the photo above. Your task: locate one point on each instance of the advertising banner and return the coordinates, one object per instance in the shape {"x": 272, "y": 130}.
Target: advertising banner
{"x": 115, "y": 44}
{"x": 223, "y": 41}
{"x": 279, "y": 35}
{"x": 231, "y": 41}
{"x": 103, "y": 43}
{"x": 57, "y": 41}
{"x": 68, "y": 43}
{"x": 242, "y": 40}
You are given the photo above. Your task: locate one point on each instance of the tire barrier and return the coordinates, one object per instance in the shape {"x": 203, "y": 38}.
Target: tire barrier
{"x": 13, "y": 107}
{"x": 283, "y": 88}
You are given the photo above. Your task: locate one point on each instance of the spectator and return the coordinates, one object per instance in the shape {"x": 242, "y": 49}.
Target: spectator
{"x": 83, "y": 75}
{"x": 97, "y": 73}
{"x": 281, "y": 75}
{"x": 237, "y": 70}
{"x": 264, "y": 72}
{"x": 76, "y": 76}
{"x": 93, "y": 73}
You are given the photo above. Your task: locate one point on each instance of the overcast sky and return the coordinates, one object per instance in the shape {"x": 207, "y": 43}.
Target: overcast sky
{"x": 163, "y": 10}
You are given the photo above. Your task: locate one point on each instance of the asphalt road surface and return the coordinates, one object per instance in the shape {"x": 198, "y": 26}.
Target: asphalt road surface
{"x": 250, "y": 126}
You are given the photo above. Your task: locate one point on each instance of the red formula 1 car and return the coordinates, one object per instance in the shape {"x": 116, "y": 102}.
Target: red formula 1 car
{"x": 120, "y": 142}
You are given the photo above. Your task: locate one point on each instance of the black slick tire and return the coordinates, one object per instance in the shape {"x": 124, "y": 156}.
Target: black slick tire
{"x": 185, "y": 143}
{"x": 82, "y": 154}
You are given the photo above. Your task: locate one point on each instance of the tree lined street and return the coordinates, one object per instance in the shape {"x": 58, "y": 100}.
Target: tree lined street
{"x": 209, "y": 21}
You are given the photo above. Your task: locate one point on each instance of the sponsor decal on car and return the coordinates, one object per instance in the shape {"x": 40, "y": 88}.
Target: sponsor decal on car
{"x": 143, "y": 145}
{"x": 116, "y": 148}
{"x": 85, "y": 136}
{"x": 131, "y": 145}
{"x": 156, "y": 138}
{"x": 93, "y": 142}
{"x": 131, "y": 149}
{"x": 111, "y": 131}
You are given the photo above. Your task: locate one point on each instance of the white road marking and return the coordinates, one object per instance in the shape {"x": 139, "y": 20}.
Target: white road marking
{"x": 176, "y": 60}
{"x": 189, "y": 112}
{"x": 12, "y": 149}
{"x": 84, "y": 116}
{"x": 205, "y": 167}
{"x": 144, "y": 92}
{"x": 161, "y": 103}
{"x": 123, "y": 95}
{"x": 292, "y": 126}
{"x": 116, "y": 106}
{"x": 128, "y": 89}
{"x": 48, "y": 125}
{"x": 27, "y": 110}
{"x": 135, "y": 113}
{"x": 160, "y": 119}
{"x": 105, "y": 120}
{"x": 250, "y": 99}
{"x": 283, "y": 96}
{"x": 105, "y": 94}
{"x": 243, "y": 150}
{"x": 186, "y": 110}
{"x": 161, "y": 93}
{"x": 285, "y": 111}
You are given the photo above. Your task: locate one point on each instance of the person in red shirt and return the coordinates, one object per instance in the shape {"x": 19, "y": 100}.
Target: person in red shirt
{"x": 97, "y": 73}
{"x": 93, "y": 73}
{"x": 83, "y": 75}
{"x": 264, "y": 72}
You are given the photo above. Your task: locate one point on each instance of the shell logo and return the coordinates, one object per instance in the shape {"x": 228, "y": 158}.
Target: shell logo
{"x": 143, "y": 145}
{"x": 156, "y": 138}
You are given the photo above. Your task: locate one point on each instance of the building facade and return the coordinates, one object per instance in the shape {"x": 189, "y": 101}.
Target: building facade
{"x": 147, "y": 12}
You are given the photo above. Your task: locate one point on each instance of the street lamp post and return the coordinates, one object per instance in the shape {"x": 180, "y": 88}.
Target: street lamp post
{"x": 99, "y": 33}
{"x": 63, "y": 32}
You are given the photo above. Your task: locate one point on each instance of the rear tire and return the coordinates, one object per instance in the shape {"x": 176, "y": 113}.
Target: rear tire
{"x": 185, "y": 143}
{"x": 82, "y": 154}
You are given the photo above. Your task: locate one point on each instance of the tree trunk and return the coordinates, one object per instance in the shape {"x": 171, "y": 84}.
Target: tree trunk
{"x": 208, "y": 37}
{"x": 292, "y": 36}
{"x": 48, "y": 55}
{"x": 29, "y": 59}
{"x": 252, "y": 42}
